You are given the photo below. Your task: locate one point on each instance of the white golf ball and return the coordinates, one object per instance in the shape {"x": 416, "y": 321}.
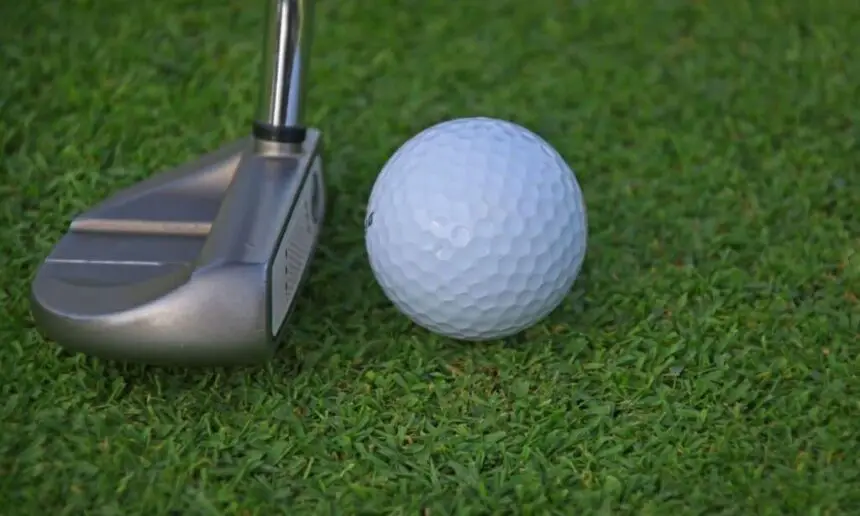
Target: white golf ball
{"x": 476, "y": 228}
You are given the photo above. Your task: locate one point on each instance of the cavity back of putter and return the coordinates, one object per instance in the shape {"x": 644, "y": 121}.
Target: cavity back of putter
{"x": 200, "y": 265}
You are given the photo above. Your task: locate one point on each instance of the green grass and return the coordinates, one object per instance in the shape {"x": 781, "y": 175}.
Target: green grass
{"x": 706, "y": 361}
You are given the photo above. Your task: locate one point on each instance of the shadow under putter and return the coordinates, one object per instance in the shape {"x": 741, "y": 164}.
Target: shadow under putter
{"x": 200, "y": 265}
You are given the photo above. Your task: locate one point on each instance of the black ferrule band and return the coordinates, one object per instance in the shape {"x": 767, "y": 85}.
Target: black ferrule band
{"x": 280, "y": 134}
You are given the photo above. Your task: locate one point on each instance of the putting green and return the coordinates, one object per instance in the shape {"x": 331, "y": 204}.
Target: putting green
{"x": 706, "y": 361}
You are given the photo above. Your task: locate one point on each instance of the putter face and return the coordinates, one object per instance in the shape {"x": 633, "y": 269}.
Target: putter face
{"x": 295, "y": 249}
{"x": 198, "y": 266}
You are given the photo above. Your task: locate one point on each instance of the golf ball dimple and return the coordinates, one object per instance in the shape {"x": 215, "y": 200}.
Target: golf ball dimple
{"x": 476, "y": 228}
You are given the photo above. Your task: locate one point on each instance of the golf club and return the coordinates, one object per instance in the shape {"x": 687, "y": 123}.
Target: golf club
{"x": 200, "y": 265}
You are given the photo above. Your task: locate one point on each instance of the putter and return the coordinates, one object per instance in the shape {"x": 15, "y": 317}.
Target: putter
{"x": 200, "y": 265}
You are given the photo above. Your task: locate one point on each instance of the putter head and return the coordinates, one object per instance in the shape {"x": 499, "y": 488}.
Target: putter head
{"x": 201, "y": 265}
{"x": 197, "y": 266}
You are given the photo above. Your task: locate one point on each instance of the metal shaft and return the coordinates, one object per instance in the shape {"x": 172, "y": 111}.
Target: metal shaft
{"x": 288, "y": 33}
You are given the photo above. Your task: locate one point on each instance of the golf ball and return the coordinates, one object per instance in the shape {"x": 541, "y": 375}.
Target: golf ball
{"x": 476, "y": 228}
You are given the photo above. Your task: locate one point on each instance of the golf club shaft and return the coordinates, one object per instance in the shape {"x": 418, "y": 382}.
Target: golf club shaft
{"x": 288, "y": 34}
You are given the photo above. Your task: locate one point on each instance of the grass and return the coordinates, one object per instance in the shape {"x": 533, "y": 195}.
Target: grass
{"x": 706, "y": 362}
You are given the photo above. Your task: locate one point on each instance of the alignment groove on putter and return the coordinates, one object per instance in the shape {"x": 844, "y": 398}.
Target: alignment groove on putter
{"x": 200, "y": 265}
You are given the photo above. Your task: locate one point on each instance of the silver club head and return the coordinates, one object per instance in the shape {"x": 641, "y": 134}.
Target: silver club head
{"x": 200, "y": 265}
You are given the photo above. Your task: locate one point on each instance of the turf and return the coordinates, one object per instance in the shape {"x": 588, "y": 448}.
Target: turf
{"x": 705, "y": 362}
